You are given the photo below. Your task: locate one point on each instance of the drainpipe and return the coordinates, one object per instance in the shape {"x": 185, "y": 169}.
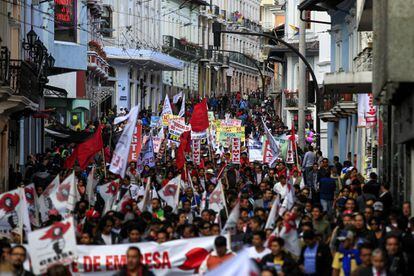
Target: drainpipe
{"x": 21, "y": 145}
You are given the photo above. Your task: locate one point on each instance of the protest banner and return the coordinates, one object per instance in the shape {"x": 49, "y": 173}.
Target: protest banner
{"x": 177, "y": 257}
{"x": 267, "y": 152}
{"x": 225, "y": 133}
{"x": 210, "y": 116}
{"x": 283, "y": 145}
{"x": 52, "y": 245}
{"x": 154, "y": 121}
{"x": 136, "y": 144}
{"x": 235, "y": 150}
{"x": 146, "y": 157}
{"x": 167, "y": 118}
{"x": 255, "y": 150}
{"x": 202, "y": 136}
{"x": 231, "y": 123}
{"x": 196, "y": 147}
{"x": 176, "y": 128}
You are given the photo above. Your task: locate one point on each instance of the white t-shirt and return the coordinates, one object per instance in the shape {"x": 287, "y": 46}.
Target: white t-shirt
{"x": 107, "y": 239}
{"x": 256, "y": 255}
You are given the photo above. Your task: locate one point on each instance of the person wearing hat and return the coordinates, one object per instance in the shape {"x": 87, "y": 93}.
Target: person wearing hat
{"x": 315, "y": 258}
{"x": 347, "y": 258}
{"x": 210, "y": 178}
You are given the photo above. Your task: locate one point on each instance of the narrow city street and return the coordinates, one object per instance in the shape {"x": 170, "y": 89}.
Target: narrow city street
{"x": 206, "y": 137}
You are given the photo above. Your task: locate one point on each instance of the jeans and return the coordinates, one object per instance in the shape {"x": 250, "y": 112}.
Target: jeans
{"x": 327, "y": 205}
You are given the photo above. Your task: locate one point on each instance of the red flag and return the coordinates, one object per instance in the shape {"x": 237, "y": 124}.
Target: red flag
{"x": 293, "y": 137}
{"x": 185, "y": 142}
{"x": 199, "y": 118}
{"x": 85, "y": 151}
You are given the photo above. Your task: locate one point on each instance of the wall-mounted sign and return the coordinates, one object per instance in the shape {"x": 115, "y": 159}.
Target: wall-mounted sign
{"x": 65, "y": 13}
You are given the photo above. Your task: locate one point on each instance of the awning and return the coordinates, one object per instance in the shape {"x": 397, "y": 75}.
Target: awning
{"x": 352, "y": 82}
{"x": 150, "y": 59}
{"x": 364, "y": 15}
{"x": 55, "y": 91}
{"x": 318, "y": 5}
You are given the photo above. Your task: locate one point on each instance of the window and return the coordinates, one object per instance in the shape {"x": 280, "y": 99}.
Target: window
{"x": 65, "y": 20}
{"x": 106, "y": 21}
{"x": 308, "y": 16}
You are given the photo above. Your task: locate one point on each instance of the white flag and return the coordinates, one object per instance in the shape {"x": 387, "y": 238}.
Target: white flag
{"x": 239, "y": 265}
{"x": 182, "y": 109}
{"x": 273, "y": 214}
{"x": 177, "y": 97}
{"x": 143, "y": 204}
{"x": 169, "y": 191}
{"x": 32, "y": 204}
{"x": 24, "y": 212}
{"x": 12, "y": 214}
{"x": 52, "y": 245}
{"x": 288, "y": 202}
{"x": 90, "y": 186}
{"x": 231, "y": 224}
{"x": 45, "y": 201}
{"x": 108, "y": 193}
{"x": 74, "y": 195}
{"x": 166, "y": 109}
{"x": 289, "y": 234}
{"x": 216, "y": 200}
{"x": 273, "y": 144}
{"x": 64, "y": 196}
{"x": 120, "y": 156}
{"x": 124, "y": 205}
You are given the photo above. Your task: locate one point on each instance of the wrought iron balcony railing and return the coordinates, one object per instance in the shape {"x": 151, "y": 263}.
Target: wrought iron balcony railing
{"x": 180, "y": 48}
{"x": 24, "y": 80}
{"x": 4, "y": 66}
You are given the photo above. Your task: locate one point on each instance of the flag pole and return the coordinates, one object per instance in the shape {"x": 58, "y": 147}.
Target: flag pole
{"x": 22, "y": 197}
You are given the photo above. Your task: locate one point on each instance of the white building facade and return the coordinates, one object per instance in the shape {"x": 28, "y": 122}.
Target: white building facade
{"x": 318, "y": 54}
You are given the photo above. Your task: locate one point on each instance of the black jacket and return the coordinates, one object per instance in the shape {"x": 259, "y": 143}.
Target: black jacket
{"x": 114, "y": 237}
{"x": 145, "y": 272}
{"x": 367, "y": 271}
{"x": 323, "y": 259}
{"x": 289, "y": 267}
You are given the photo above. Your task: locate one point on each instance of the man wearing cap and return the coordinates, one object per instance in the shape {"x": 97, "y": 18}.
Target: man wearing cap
{"x": 315, "y": 258}
{"x": 210, "y": 177}
{"x": 347, "y": 258}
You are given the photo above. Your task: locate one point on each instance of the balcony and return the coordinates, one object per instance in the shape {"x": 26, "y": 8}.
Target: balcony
{"x": 181, "y": 48}
{"x": 241, "y": 59}
{"x": 4, "y": 66}
{"x": 337, "y": 106}
{"x": 98, "y": 94}
{"x": 357, "y": 81}
{"x": 97, "y": 65}
{"x": 363, "y": 62}
{"x": 24, "y": 81}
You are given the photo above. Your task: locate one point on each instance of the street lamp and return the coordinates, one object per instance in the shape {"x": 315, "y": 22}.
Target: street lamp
{"x": 50, "y": 61}
{"x": 31, "y": 38}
